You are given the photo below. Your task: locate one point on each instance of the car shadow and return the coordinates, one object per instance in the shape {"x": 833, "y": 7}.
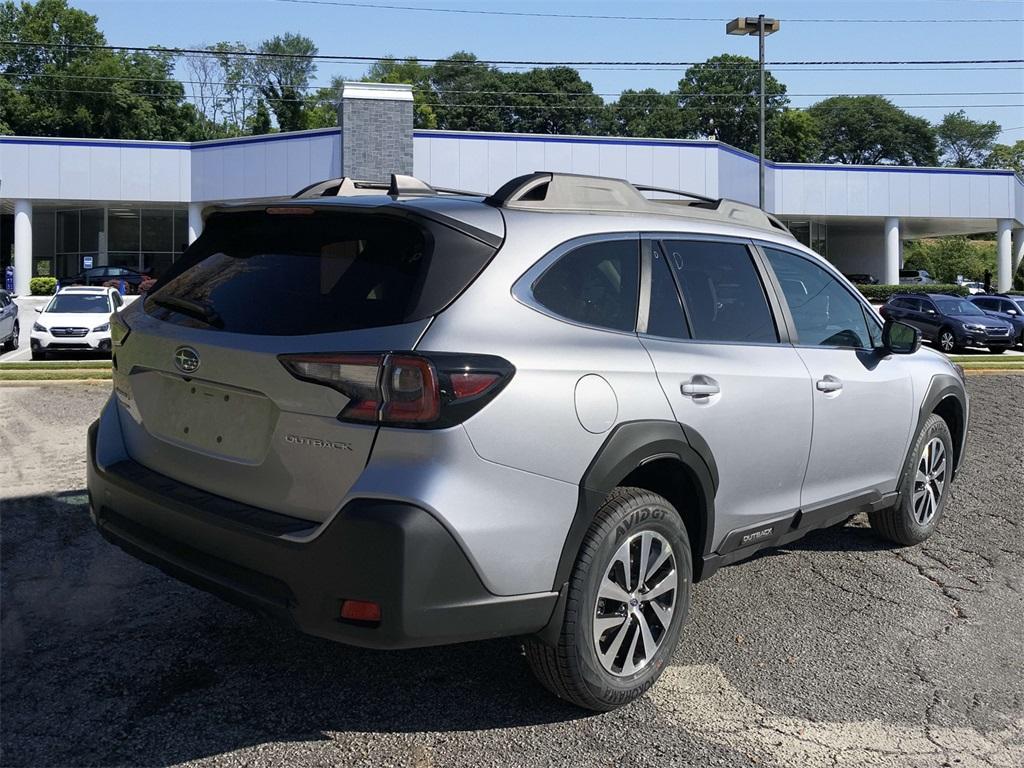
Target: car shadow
{"x": 107, "y": 660}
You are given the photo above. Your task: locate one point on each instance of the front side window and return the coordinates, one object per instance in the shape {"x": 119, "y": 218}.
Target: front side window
{"x": 953, "y": 306}
{"x": 824, "y": 312}
{"x": 596, "y": 284}
{"x": 722, "y": 293}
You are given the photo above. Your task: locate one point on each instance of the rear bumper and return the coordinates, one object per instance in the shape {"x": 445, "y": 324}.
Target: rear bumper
{"x": 391, "y": 553}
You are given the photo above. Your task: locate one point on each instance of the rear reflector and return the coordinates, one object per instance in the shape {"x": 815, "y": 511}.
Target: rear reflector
{"x": 360, "y": 610}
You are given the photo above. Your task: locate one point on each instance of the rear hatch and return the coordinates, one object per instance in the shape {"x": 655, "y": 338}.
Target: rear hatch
{"x": 205, "y": 397}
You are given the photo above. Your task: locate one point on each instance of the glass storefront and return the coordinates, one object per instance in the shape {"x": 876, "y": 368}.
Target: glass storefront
{"x": 67, "y": 240}
{"x": 813, "y": 234}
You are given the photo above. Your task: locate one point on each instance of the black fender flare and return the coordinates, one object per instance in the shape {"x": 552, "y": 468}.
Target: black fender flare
{"x": 942, "y": 387}
{"x": 628, "y": 446}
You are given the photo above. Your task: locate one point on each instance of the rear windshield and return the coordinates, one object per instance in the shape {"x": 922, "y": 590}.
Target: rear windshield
{"x": 271, "y": 274}
{"x": 80, "y": 302}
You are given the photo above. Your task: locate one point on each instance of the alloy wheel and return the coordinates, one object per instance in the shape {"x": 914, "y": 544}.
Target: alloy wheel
{"x": 930, "y": 481}
{"x": 635, "y": 603}
{"x": 946, "y": 341}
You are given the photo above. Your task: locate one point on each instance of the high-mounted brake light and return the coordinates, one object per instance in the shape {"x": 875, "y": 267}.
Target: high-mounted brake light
{"x": 405, "y": 389}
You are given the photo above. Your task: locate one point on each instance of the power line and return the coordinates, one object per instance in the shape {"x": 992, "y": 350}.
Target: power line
{"x": 485, "y": 105}
{"x": 610, "y": 17}
{"x": 340, "y": 57}
{"x": 574, "y": 94}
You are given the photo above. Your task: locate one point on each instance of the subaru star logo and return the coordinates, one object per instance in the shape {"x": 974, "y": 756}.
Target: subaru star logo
{"x": 186, "y": 359}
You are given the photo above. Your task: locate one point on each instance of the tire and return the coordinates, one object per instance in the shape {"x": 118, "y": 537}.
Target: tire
{"x": 997, "y": 350}
{"x": 921, "y": 503}
{"x": 947, "y": 341}
{"x": 12, "y": 343}
{"x": 38, "y": 354}
{"x": 573, "y": 670}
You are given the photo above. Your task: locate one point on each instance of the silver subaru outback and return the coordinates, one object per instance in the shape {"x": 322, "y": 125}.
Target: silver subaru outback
{"x": 396, "y": 416}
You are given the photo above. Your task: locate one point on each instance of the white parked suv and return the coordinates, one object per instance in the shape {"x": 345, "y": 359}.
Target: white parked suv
{"x": 76, "y": 318}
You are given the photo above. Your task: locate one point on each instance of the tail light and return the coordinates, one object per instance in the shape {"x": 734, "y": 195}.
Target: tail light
{"x": 406, "y": 389}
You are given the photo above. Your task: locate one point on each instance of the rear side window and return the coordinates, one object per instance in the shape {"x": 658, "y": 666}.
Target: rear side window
{"x": 665, "y": 317}
{"x": 268, "y": 274}
{"x": 722, "y": 293}
{"x": 596, "y": 284}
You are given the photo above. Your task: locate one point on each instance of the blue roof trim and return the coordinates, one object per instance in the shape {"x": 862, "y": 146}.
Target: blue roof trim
{"x": 265, "y": 138}
{"x": 109, "y": 143}
{"x": 530, "y": 137}
{"x": 727, "y": 148}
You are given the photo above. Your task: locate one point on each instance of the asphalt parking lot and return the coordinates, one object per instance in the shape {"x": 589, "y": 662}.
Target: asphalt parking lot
{"x": 837, "y": 650}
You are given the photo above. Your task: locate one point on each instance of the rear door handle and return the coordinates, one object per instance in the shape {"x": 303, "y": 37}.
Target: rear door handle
{"x": 700, "y": 386}
{"x": 829, "y": 383}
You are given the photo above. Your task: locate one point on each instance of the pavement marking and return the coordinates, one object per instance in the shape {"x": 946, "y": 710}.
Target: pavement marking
{"x": 703, "y": 701}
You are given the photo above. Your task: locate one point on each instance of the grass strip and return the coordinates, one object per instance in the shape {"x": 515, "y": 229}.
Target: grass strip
{"x": 42, "y": 365}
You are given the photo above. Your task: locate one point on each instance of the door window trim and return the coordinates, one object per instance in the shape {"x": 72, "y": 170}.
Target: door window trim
{"x": 651, "y": 239}
{"x": 522, "y": 289}
{"x": 870, "y": 316}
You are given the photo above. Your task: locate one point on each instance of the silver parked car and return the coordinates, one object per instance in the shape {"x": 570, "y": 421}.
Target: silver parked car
{"x": 401, "y": 417}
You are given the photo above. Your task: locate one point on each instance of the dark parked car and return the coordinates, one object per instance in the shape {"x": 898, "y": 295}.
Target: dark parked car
{"x": 1010, "y": 309}
{"x": 952, "y": 322}
{"x": 862, "y": 278}
{"x": 103, "y": 275}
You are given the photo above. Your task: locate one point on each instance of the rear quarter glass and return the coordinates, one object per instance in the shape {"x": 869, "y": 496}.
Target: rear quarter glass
{"x": 277, "y": 275}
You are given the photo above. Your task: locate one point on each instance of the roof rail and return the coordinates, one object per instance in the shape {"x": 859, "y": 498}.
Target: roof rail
{"x": 399, "y": 186}
{"x": 546, "y": 191}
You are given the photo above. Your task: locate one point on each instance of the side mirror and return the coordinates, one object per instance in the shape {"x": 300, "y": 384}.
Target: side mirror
{"x": 900, "y": 338}
{"x": 1012, "y": 312}
{"x": 930, "y": 311}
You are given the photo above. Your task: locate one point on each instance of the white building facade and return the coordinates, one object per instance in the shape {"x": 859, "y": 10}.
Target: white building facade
{"x": 69, "y": 203}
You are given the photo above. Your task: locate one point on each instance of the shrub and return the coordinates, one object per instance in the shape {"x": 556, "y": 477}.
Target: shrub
{"x": 42, "y": 286}
{"x": 884, "y": 292}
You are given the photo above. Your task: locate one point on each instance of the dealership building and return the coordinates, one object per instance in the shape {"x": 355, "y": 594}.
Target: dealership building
{"x": 69, "y": 203}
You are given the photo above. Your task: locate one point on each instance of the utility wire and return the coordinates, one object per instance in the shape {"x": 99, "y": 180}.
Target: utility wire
{"x": 610, "y": 17}
{"x": 574, "y": 94}
{"x": 339, "y": 57}
{"x": 485, "y": 105}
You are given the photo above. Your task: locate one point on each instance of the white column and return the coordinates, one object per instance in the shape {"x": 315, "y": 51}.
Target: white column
{"x": 1005, "y": 276}
{"x": 22, "y": 246}
{"x": 892, "y": 251}
{"x": 195, "y": 221}
{"x": 1016, "y": 250}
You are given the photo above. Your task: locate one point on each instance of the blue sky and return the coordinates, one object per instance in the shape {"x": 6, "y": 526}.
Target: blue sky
{"x": 373, "y": 32}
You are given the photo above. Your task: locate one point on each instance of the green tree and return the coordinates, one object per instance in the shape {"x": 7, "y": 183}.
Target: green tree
{"x": 646, "y": 113}
{"x": 555, "y": 100}
{"x": 284, "y": 76}
{"x": 259, "y": 122}
{"x": 947, "y": 258}
{"x": 720, "y": 99}
{"x": 965, "y": 143}
{"x": 872, "y": 130}
{"x": 1007, "y": 156}
{"x": 391, "y": 70}
{"x": 470, "y": 96}
{"x": 86, "y": 92}
{"x": 794, "y": 136}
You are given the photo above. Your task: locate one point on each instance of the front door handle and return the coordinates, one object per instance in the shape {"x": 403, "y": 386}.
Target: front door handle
{"x": 700, "y": 386}
{"x": 829, "y": 383}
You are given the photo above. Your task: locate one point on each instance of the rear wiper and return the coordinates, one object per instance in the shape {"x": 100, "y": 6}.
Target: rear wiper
{"x": 191, "y": 308}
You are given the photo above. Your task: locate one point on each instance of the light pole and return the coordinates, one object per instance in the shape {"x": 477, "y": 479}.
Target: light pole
{"x": 762, "y": 27}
